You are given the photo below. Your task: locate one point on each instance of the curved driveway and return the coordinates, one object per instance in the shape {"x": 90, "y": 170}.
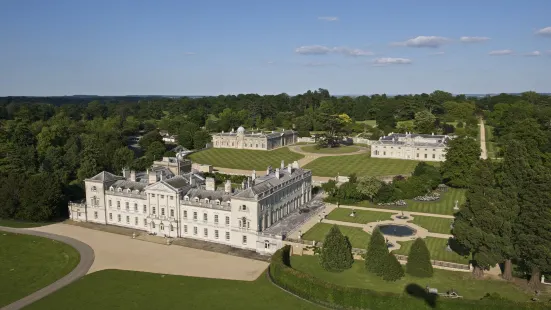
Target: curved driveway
{"x": 86, "y": 260}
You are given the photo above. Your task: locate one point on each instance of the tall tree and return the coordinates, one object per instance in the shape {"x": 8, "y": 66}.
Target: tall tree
{"x": 336, "y": 253}
{"x": 418, "y": 264}
{"x": 424, "y": 122}
{"x": 461, "y": 158}
{"x": 369, "y": 186}
{"x": 377, "y": 253}
{"x": 122, "y": 158}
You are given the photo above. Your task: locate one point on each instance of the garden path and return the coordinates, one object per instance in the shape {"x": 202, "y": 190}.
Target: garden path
{"x": 397, "y": 211}
{"x": 484, "y": 153}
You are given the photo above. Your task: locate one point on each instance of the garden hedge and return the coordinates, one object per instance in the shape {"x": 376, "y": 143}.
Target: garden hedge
{"x": 340, "y": 297}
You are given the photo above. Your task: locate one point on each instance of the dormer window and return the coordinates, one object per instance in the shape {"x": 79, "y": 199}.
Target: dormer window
{"x": 186, "y": 198}
{"x": 207, "y": 200}
{"x": 129, "y": 191}
{"x": 217, "y": 202}
{"x": 94, "y": 189}
{"x": 196, "y": 199}
{"x": 243, "y": 208}
{"x": 119, "y": 190}
{"x": 111, "y": 189}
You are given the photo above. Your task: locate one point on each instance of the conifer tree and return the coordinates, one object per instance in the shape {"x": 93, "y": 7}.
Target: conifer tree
{"x": 377, "y": 253}
{"x": 336, "y": 253}
{"x": 392, "y": 270}
{"x": 418, "y": 263}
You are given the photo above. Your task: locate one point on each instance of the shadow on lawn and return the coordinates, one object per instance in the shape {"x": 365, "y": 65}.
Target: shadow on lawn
{"x": 418, "y": 292}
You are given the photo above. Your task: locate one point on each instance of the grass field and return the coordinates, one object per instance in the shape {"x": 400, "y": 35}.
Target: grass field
{"x": 20, "y": 224}
{"x": 443, "y": 280}
{"x": 358, "y": 238}
{"x": 491, "y": 145}
{"x": 29, "y": 263}
{"x": 332, "y": 150}
{"x": 363, "y": 164}
{"x": 370, "y": 122}
{"x": 433, "y": 224}
{"x": 443, "y": 206}
{"x": 245, "y": 159}
{"x": 437, "y": 249}
{"x": 362, "y": 217}
{"x": 117, "y": 289}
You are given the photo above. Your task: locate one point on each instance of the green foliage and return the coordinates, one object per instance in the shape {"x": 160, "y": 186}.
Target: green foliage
{"x": 150, "y": 137}
{"x": 369, "y": 186}
{"x": 418, "y": 263}
{"x": 155, "y": 151}
{"x": 122, "y": 158}
{"x": 336, "y": 253}
{"x": 424, "y": 122}
{"x": 461, "y": 158}
{"x": 377, "y": 253}
{"x": 393, "y": 270}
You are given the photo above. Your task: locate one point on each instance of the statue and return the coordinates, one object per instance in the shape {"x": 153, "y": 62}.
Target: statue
{"x": 456, "y": 205}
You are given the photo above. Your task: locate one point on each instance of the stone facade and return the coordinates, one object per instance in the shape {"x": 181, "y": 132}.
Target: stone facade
{"x": 191, "y": 206}
{"x": 411, "y": 146}
{"x": 242, "y": 139}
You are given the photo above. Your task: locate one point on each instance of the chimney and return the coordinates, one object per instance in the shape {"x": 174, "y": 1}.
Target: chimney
{"x": 254, "y": 175}
{"x": 162, "y": 175}
{"x": 268, "y": 170}
{"x": 133, "y": 175}
{"x": 152, "y": 176}
{"x": 191, "y": 180}
{"x": 209, "y": 184}
{"x": 227, "y": 187}
{"x": 243, "y": 185}
{"x": 282, "y": 165}
{"x": 248, "y": 182}
{"x": 277, "y": 173}
{"x": 125, "y": 173}
{"x": 289, "y": 168}
{"x": 296, "y": 165}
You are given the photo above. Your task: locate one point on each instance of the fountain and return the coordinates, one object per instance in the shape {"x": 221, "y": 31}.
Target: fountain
{"x": 397, "y": 230}
{"x": 402, "y": 216}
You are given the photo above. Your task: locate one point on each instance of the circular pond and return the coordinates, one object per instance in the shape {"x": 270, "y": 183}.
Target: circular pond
{"x": 397, "y": 230}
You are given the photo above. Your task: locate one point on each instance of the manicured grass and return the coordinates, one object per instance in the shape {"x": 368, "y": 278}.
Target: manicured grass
{"x": 433, "y": 224}
{"x": 362, "y": 164}
{"x": 20, "y": 224}
{"x": 437, "y": 249}
{"x": 443, "y": 206}
{"x": 29, "y": 263}
{"x": 117, "y": 289}
{"x": 358, "y": 238}
{"x": 330, "y": 150}
{"x": 370, "y": 122}
{"x": 245, "y": 159}
{"x": 443, "y": 280}
{"x": 362, "y": 217}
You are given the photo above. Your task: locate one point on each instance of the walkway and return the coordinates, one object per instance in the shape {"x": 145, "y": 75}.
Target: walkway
{"x": 114, "y": 251}
{"x": 86, "y": 261}
{"x": 484, "y": 153}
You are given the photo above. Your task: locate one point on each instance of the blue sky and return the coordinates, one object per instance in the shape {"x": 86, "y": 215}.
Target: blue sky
{"x": 211, "y": 47}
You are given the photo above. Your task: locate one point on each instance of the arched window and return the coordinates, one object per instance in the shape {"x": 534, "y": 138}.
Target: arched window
{"x": 196, "y": 199}
{"x": 207, "y": 200}
{"x": 94, "y": 189}
{"x": 152, "y": 224}
{"x": 112, "y": 189}
{"x": 162, "y": 226}
{"x": 217, "y": 202}
{"x": 129, "y": 191}
{"x": 119, "y": 189}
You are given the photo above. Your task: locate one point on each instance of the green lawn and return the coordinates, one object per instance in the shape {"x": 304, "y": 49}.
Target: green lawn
{"x": 245, "y": 159}
{"x": 362, "y": 164}
{"x": 443, "y": 280}
{"x": 117, "y": 289}
{"x": 370, "y": 122}
{"x": 358, "y": 238}
{"x": 443, "y": 206}
{"x": 437, "y": 249}
{"x": 20, "y": 224}
{"x": 330, "y": 150}
{"x": 433, "y": 224}
{"x": 29, "y": 263}
{"x": 362, "y": 217}
{"x": 491, "y": 145}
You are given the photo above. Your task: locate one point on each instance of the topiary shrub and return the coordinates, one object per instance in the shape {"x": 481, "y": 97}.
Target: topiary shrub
{"x": 377, "y": 253}
{"x": 418, "y": 263}
{"x": 336, "y": 253}
{"x": 392, "y": 270}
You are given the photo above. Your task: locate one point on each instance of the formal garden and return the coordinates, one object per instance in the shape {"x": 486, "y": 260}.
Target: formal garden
{"x": 31, "y": 263}
{"x": 245, "y": 159}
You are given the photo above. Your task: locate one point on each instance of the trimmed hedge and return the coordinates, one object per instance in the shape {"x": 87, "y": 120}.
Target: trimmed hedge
{"x": 340, "y": 297}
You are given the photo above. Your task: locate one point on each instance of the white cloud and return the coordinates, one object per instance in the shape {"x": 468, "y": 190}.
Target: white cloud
{"x": 534, "y": 53}
{"x": 500, "y": 52}
{"x": 437, "y": 53}
{"x": 329, "y": 18}
{"x": 271, "y": 62}
{"x": 189, "y": 53}
{"x": 323, "y": 50}
{"x": 473, "y": 39}
{"x": 423, "y": 41}
{"x": 317, "y": 64}
{"x": 544, "y": 32}
{"x": 391, "y": 61}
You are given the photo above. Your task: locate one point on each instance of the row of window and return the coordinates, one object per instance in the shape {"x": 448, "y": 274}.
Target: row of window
{"x": 162, "y": 196}
{"x": 206, "y": 232}
{"x": 384, "y": 153}
{"x": 206, "y": 217}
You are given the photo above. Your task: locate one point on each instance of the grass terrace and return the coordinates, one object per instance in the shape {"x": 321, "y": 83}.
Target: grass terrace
{"x": 29, "y": 263}
{"x": 245, "y": 159}
{"x": 330, "y": 150}
{"x": 361, "y": 164}
{"x": 443, "y": 280}
{"x": 361, "y": 217}
{"x": 117, "y": 289}
{"x": 443, "y": 206}
{"x": 433, "y": 224}
{"x": 358, "y": 238}
{"x": 437, "y": 249}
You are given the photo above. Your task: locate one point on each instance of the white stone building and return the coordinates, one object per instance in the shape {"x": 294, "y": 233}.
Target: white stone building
{"x": 242, "y": 139}
{"x": 190, "y": 206}
{"x": 411, "y": 146}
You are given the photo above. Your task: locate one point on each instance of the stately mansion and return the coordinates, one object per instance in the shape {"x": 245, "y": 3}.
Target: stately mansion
{"x": 167, "y": 201}
{"x": 242, "y": 139}
{"x": 411, "y": 146}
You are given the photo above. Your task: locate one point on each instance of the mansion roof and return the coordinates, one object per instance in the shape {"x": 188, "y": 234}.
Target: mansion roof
{"x": 411, "y": 139}
{"x": 265, "y": 183}
{"x": 252, "y": 134}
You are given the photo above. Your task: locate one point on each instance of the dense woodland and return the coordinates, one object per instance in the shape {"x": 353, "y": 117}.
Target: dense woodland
{"x": 49, "y": 145}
